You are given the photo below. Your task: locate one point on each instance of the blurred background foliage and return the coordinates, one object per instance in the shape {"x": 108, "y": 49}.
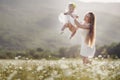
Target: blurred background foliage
{"x": 106, "y": 51}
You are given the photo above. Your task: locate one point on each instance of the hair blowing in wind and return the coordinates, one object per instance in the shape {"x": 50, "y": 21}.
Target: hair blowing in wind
{"x": 90, "y": 39}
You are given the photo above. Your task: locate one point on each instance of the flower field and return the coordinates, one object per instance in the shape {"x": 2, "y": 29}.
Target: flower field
{"x": 63, "y": 69}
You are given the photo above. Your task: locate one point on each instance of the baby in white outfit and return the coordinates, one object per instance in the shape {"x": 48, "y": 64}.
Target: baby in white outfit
{"x": 67, "y": 20}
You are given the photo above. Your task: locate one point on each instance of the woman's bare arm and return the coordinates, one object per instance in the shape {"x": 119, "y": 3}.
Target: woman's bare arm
{"x": 81, "y": 25}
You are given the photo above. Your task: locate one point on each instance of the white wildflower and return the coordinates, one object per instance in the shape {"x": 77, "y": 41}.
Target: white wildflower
{"x": 96, "y": 58}
{"x": 16, "y": 58}
{"x": 54, "y": 73}
{"x": 12, "y": 75}
{"x": 20, "y": 68}
{"x": 39, "y": 68}
{"x": 64, "y": 66}
{"x": 29, "y": 68}
{"x": 27, "y": 58}
{"x": 49, "y": 78}
{"x": 100, "y": 56}
{"x": 63, "y": 58}
{"x": 68, "y": 72}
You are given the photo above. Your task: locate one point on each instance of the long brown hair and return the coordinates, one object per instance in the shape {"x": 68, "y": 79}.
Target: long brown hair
{"x": 90, "y": 39}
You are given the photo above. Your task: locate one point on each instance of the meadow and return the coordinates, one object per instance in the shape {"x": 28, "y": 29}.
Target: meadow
{"x": 62, "y": 69}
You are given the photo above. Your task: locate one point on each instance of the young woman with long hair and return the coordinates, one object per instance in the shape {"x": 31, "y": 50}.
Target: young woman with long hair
{"x": 87, "y": 29}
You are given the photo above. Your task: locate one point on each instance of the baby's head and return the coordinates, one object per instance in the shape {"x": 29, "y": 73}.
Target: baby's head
{"x": 71, "y": 7}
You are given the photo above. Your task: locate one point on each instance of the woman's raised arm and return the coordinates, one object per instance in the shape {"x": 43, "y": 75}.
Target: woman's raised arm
{"x": 81, "y": 25}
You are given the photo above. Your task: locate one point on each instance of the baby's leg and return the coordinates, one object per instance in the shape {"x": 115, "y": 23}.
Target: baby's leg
{"x": 73, "y": 33}
{"x": 65, "y": 26}
{"x": 72, "y": 29}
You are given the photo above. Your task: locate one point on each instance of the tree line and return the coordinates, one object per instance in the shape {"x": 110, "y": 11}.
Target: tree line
{"x": 111, "y": 51}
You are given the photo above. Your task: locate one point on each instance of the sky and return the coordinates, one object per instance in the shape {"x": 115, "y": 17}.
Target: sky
{"x": 102, "y": 1}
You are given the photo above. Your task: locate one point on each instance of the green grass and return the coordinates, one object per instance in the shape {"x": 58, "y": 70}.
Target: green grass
{"x": 63, "y": 69}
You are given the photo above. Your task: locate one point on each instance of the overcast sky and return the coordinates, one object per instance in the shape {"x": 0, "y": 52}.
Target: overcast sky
{"x": 100, "y": 1}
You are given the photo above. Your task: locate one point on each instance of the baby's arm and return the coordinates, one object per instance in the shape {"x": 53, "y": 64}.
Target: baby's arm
{"x": 67, "y": 13}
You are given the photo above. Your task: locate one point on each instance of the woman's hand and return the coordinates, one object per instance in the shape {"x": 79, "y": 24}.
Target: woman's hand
{"x": 74, "y": 17}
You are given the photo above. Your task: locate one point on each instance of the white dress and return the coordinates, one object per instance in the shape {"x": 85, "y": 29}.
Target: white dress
{"x": 86, "y": 50}
{"x": 66, "y": 18}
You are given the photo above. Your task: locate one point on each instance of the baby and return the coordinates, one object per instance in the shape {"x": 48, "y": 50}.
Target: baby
{"x": 68, "y": 20}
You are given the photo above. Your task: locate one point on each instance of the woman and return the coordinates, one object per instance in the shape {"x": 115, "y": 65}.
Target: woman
{"x": 87, "y": 29}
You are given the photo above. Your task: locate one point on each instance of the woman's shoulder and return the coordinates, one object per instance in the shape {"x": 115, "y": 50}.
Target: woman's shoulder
{"x": 85, "y": 24}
